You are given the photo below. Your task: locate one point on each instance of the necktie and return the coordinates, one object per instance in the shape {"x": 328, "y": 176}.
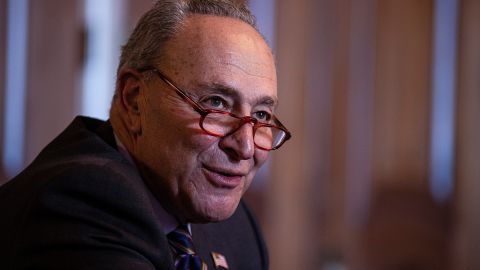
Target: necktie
{"x": 181, "y": 243}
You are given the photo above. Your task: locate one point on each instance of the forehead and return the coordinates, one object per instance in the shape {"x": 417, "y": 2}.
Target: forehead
{"x": 221, "y": 50}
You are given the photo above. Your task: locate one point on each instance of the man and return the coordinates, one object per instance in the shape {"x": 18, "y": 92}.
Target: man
{"x": 190, "y": 124}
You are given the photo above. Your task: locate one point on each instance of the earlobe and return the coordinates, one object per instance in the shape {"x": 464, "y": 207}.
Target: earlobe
{"x": 129, "y": 95}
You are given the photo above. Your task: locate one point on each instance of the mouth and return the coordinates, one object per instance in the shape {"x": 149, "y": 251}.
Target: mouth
{"x": 223, "y": 178}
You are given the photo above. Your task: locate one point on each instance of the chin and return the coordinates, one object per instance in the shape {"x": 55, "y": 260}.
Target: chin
{"x": 215, "y": 211}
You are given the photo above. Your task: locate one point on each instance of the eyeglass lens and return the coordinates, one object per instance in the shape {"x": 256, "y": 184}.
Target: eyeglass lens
{"x": 220, "y": 124}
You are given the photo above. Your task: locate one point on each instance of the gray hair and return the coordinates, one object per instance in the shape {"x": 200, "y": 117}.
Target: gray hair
{"x": 165, "y": 19}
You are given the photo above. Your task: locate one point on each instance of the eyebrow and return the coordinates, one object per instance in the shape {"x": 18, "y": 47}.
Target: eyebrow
{"x": 234, "y": 92}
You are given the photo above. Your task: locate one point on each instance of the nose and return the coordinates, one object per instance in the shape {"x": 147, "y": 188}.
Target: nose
{"x": 239, "y": 145}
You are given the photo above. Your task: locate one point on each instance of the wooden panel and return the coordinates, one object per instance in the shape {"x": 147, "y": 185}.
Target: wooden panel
{"x": 402, "y": 92}
{"x": 286, "y": 203}
{"x": 405, "y": 228}
{"x": 335, "y": 183}
{"x": 360, "y": 111}
{"x": 54, "y": 65}
{"x": 309, "y": 175}
{"x": 468, "y": 143}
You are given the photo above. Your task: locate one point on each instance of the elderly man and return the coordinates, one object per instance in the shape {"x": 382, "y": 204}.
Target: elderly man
{"x": 159, "y": 185}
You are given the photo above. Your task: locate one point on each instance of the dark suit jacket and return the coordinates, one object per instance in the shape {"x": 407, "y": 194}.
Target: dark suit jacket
{"x": 81, "y": 205}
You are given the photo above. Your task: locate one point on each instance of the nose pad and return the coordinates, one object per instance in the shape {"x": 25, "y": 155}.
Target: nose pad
{"x": 240, "y": 143}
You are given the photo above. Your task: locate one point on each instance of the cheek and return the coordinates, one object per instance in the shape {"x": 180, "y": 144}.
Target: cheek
{"x": 179, "y": 134}
{"x": 202, "y": 143}
{"x": 260, "y": 157}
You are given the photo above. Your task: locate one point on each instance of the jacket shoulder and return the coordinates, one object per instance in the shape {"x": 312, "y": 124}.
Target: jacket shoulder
{"x": 79, "y": 205}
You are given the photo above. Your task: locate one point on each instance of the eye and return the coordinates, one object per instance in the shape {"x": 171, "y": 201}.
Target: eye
{"x": 215, "y": 102}
{"x": 262, "y": 116}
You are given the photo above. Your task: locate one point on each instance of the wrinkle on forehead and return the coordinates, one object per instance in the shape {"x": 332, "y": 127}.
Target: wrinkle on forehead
{"x": 248, "y": 70}
{"x": 224, "y": 88}
{"x": 249, "y": 64}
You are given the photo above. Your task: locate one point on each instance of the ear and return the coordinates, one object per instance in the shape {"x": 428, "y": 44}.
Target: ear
{"x": 129, "y": 93}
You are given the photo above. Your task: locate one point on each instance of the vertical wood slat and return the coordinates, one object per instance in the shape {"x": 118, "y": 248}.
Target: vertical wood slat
{"x": 326, "y": 99}
{"x": 54, "y": 66}
{"x": 334, "y": 234}
{"x": 286, "y": 209}
{"x": 468, "y": 144}
{"x": 360, "y": 108}
{"x": 402, "y": 93}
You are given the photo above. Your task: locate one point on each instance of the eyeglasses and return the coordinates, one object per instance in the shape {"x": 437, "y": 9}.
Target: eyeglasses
{"x": 266, "y": 135}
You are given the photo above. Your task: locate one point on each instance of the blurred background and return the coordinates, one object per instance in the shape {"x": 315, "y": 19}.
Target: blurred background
{"x": 382, "y": 98}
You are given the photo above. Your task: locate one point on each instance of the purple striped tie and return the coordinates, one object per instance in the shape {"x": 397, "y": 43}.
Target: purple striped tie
{"x": 181, "y": 243}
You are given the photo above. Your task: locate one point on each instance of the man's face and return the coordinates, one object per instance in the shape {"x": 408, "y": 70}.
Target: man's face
{"x": 222, "y": 63}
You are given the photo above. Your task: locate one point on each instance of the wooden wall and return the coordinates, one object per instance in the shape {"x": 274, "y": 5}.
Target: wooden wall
{"x": 355, "y": 89}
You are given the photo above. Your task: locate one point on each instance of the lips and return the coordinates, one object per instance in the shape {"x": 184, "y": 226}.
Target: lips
{"x": 223, "y": 178}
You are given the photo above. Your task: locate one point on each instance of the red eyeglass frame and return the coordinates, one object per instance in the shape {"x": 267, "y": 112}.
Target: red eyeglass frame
{"x": 204, "y": 112}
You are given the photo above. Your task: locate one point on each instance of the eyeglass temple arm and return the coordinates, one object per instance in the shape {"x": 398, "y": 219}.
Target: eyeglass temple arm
{"x": 179, "y": 91}
{"x": 288, "y": 134}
